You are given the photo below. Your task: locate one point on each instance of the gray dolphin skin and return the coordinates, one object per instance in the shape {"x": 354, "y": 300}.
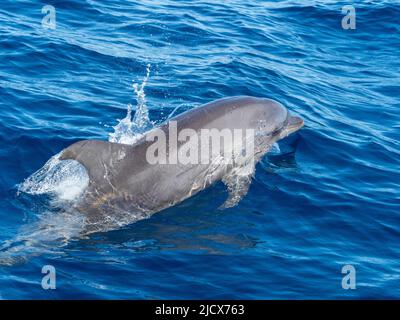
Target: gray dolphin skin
{"x": 124, "y": 187}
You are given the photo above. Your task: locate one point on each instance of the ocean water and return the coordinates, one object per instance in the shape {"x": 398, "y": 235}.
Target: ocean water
{"x": 326, "y": 197}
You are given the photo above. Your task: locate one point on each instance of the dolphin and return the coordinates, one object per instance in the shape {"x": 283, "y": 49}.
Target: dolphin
{"x": 124, "y": 186}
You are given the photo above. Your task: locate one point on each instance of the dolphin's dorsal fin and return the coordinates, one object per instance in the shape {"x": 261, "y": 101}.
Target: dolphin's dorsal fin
{"x": 100, "y": 158}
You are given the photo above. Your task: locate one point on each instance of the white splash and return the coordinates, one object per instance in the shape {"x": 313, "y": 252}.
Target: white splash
{"x": 128, "y": 130}
{"x": 65, "y": 179}
{"x": 275, "y": 149}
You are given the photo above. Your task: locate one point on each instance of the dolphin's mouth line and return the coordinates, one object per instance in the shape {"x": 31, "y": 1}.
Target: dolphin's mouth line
{"x": 279, "y": 130}
{"x": 290, "y": 125}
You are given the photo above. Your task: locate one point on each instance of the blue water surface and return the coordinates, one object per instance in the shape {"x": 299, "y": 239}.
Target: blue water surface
{"x": 329, "y": 198}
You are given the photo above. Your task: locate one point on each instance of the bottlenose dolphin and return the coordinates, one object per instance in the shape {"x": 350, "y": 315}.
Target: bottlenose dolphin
{"x": 124, "y": 186}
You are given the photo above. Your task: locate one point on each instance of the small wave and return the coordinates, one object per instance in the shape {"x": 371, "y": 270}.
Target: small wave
{"x": 46, "y": 236}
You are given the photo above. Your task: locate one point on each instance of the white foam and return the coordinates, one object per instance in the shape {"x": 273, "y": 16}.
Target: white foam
{"x": 66, "y": 179}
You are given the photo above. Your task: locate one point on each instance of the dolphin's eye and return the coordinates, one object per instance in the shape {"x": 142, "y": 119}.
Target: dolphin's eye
{"x": 276, "y": 131}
